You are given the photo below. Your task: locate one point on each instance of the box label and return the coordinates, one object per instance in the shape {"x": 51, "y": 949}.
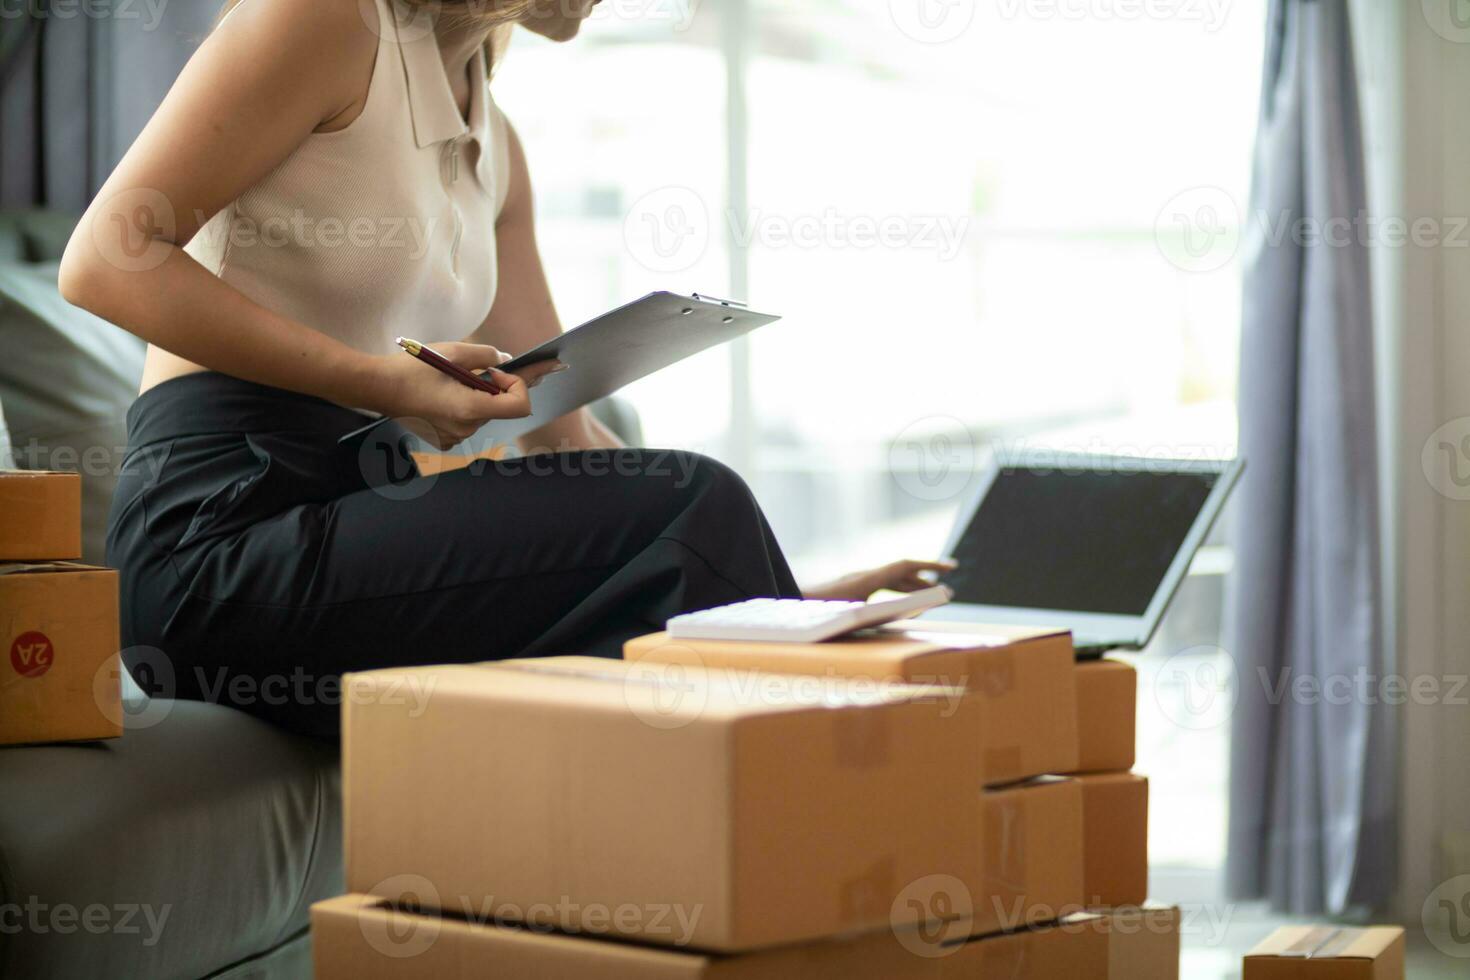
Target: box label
{"x": 31, "y": 654}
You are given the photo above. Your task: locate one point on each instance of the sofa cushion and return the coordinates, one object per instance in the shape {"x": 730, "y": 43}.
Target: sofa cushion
{"x": 197, "y": 840}
{"x": 66, "y": 380}
{"x": 36, "y": 235}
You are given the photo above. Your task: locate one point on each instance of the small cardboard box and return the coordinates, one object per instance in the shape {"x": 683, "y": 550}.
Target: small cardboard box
{"x": 1115, "y": 820}
{"x": 1022, "y": 679}
{"x": 1328, "y": 953}
{"x": 1143, "y": 941}
{"x": 40, "y": 515}
{"x": 59, "y": 679}
{"x": 1107, "y": 715}
{"x": 629, "y": 798}
{"x": 360, "y": 937}
{"x": 1033, "y": 855}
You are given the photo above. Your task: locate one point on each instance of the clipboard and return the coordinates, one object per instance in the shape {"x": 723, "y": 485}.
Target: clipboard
{"x": 617, "y": 348}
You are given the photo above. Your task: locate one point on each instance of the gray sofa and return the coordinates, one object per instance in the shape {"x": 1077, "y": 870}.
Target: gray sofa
{"x": 193, "y": 845}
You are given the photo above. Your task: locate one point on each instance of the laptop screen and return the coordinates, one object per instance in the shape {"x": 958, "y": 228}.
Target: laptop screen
{"x": 1095, "y": 541}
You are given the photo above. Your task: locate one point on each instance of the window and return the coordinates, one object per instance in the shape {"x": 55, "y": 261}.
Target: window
{"x": 982, "y": 224}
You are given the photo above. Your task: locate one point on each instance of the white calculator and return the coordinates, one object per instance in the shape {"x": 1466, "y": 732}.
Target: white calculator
{"x": 800, "y": 620}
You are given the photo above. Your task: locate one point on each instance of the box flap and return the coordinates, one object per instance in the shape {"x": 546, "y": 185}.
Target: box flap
{"x": 1372, "y": 942}
{"x": 666, "y": 691}
{"x": 1150, "y": 915}
{"x": 41, "y": 567}
{"x": 963, "y": 636}
{"x": 370, "y": 936}
{"x": 945, "y": 659}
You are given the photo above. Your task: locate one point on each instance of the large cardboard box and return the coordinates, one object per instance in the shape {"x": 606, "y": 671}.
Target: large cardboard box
{"x": 1115, "y": 817}
{"x": 1143, "y": 941}
{"x": 40, "y": 515}
{"x": 361, "y": 937}
{"x": 1033, "y": 855}
{"x": 1328, "y": 953}
{"x": 1107, "y": 715}
{"x": 654, "y": 802}
{"x": 1022, "y": 679}
{"x": 59, "y": 679}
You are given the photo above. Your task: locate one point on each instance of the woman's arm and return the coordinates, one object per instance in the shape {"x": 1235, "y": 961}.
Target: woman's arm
{"x": 524, "y": 315}
{"x": 273, "y": 73}
{"x": 908, "y": 575}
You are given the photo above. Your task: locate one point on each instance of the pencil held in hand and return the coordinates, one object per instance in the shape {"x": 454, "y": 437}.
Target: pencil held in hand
{"x": 443, "y": 364}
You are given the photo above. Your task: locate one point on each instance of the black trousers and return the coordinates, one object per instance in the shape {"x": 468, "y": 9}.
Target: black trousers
{"x": 260, "y": 559}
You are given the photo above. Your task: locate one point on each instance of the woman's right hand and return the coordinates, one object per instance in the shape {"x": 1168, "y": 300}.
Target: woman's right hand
{"x": 439, "y": 408}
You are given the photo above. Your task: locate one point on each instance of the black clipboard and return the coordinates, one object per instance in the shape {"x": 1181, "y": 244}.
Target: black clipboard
{"x": 617, "y": 348}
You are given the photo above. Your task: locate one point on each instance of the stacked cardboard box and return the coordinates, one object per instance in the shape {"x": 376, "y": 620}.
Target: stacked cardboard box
{"x": 901, "y": 805}
{"x": 369, "y": 938}
{"x": 1066, "y": 819}
{"x": 1114, "y": 799}
{"x": 59, "y": 679}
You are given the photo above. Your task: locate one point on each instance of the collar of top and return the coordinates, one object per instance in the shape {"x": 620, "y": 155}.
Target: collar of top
{"x": 436, "y": 116}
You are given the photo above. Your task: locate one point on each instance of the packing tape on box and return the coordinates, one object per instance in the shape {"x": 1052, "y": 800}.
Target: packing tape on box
{"x": 1005, "y": 844}
{"x": 1323, "y": 942}
{"x": 997, "y": 676}
{"x": 869, "y": 895}
{"x": 862, "y": 739}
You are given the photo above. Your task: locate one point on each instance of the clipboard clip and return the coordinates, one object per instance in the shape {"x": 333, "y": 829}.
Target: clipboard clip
{"x": 715, "y": 299}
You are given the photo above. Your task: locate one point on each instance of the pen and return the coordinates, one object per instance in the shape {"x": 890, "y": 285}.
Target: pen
{"x": 441, "y": 363}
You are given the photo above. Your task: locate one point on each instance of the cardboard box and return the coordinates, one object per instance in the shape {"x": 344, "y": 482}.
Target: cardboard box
{"x": 633, "y": 799}
{"x": 59, "y": 679}
{"x": 1044, "y": 952}
{"x": 1115, "y": 818}
{"x": 1107, "y": 715}
{"x": 1328, "y": 953}
{"x": 359, "y": 937}
{"x": 40, "y": 515}
{"x": 1143, "y": 941}
{"x": 1033, "y": 855}
{"x": 1023, "y": 679}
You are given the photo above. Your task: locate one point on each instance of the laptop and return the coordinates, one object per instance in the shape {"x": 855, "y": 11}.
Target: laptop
{"x": 1095, "y": 544}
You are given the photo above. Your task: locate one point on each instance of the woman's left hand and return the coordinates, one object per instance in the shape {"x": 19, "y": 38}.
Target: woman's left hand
{"x": 908, "y": 575}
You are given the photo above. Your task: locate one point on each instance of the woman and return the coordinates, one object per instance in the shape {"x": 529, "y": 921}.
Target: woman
{"x": 322, "y": 177}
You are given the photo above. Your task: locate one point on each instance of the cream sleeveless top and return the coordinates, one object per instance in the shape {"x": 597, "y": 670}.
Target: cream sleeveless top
{"x": 386, "y": 227}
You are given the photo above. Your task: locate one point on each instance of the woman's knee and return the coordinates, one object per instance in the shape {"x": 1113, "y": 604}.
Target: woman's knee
{"x": 708, "y": 476}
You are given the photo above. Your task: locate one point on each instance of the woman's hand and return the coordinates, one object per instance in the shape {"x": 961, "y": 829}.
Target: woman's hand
{"x": 908, "y": 575}
{"x": 439, "y": 408}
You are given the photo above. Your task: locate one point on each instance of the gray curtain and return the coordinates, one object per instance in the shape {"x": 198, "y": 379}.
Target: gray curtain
{"x": 77, "y": 83}
{"x": 1313, "y": 776}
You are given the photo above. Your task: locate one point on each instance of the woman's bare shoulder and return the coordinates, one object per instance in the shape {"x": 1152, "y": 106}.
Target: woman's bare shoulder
{"x": 329, "y": 44}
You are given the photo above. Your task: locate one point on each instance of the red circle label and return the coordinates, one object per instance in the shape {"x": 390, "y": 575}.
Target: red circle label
{"x": 31, "y": 654}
